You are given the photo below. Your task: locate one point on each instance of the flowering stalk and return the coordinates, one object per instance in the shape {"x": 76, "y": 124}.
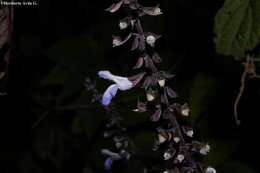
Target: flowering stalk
{"x": 175, "y": 135}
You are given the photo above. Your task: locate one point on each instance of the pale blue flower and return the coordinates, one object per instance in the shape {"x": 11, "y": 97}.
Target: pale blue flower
{"x": 121, "y": 83}
{"x": 108, "y": 163}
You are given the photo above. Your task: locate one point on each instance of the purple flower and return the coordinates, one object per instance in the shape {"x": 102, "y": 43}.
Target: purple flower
{"x": 121, "y": 83}
{"x": 108, "y": 163}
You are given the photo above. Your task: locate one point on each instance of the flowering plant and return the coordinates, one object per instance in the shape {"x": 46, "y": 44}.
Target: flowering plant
{"x": 175, "y": 135}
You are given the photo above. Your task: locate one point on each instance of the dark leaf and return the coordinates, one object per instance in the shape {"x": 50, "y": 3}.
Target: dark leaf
{"x": 141, "y": 13}
{"x": 134, "y": 5}
{"x": 141, "y": 106}
{"x": 157, "y": 114}
{"x": 115, "y": 7}
{"x": 167, "y": 75}
{"x": 141, "y": 43}
{"x": 147, "y": 82}
{"x": 156, "y": 58}
{"x": 164, "y": 99}
{"x": 135, "y": 43}
{"x": 139, "y": 27}
{"x": 170, "y": 92}
{"x": 166, "y": 114}
{"x": 137, "y": 78}
{"x": 139, "y": 63}
{"x": 174, "y": 106}
{"x": 149, "y": 63}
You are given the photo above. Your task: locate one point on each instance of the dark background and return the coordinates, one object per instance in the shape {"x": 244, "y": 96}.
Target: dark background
{"x": 59, "y": 43}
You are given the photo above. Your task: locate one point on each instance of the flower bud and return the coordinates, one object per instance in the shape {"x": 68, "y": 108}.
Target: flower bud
{"x": 150, "y": 96}
{"x": 161, "y": 82}
{"x": 150, "y": 39}
{"x": 185, "y": 110}
{"x": 205, "y": 149}
{"x": 190, "y": 133}
{"x": 118, "y": 144}
{"x": 167, "y": 156}
{"x": 210, "y": 170}
{"x": 176, "y": 139}
{"x": 157, "y": 11}
{"x": 180, "y": 157}
{"x": 123, "y": 25}
{"x": 116, "y": 42}
{"x": 161, "y": 138}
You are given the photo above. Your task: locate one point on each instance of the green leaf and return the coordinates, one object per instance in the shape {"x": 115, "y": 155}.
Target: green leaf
{"x": 237, "y": 27}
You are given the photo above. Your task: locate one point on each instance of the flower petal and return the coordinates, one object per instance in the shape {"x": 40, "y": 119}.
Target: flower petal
{"x": 105, "y": 74}
{"x": 122, "y": 82}
{"x": 109, "y": 94}
{"x": 111, "y": 154}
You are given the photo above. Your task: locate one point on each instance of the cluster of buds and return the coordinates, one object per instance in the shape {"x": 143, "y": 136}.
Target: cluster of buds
{"x": 176, "y": 136}
{"x": 122, "y": 150}
{"x": 113, "y": 130}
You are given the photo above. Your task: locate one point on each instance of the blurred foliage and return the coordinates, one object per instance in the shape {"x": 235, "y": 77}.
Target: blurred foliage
{"x": 51, "y": 124}
{"x": 72, "y": 64}
{"x": 201, "y": 93}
